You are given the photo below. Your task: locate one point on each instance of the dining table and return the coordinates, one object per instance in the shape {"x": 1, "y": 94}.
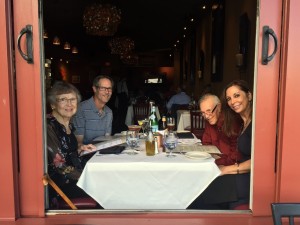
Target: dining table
{"x": 139, "y": 182}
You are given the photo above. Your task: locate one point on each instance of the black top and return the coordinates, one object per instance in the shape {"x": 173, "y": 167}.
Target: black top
{"x": 244, "y": 143}
{"x": 229, "y": 191}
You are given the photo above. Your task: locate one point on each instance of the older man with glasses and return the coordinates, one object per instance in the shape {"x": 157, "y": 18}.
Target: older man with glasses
{"x": 214, "y": 134}
{"x": 215, "y": 195}
{"x": 94, "y": 117}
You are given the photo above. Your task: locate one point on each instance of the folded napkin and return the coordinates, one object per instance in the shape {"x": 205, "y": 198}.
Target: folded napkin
{"x": 112, "y": 150}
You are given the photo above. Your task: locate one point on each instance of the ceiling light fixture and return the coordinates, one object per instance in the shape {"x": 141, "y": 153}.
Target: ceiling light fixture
{"x": 101, "y": 20}
{"x": 45, "y": 34}
{"x": 121, "y": 45}
{"x": 129, "y": 58}
{"x": 74, "y": 50}
{"x": 67, "y": 46}
{"x": 56, "y": 40}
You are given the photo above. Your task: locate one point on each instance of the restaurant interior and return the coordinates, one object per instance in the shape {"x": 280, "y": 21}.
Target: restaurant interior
{"x": 154, "y": 45}
{"x": 199, "y": 43}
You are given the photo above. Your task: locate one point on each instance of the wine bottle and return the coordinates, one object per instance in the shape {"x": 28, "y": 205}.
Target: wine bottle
{"x": 153, "y": 120}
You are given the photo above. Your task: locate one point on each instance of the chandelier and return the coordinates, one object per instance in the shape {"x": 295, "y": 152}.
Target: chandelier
{"x": 129, "y": 58}
{"x": 101, "y": 20}
{"x": 121, "y": 45}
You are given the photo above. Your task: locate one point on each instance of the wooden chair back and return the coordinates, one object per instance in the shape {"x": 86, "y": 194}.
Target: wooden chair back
{"x": 140, "y": 111}
{"x": 77, "y": 203}
{"x": 289, "y": 210}
{"x": 197, "y": 123}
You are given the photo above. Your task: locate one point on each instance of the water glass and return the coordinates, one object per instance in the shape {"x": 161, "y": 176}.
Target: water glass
{"x": 132, "y": 140}
{"x": 170, "y": 142}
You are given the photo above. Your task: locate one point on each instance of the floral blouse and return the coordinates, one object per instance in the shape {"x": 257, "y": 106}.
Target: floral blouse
{"x": 63, "y": 160}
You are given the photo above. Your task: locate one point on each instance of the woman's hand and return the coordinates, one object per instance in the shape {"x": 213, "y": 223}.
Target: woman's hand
{"x": 236, "y": 168}
{"x": 88, "y": 148}
{"x": 232, "y": 169}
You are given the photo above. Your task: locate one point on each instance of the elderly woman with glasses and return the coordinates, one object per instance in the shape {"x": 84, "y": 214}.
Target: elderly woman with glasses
{"x": 64, "y": 164}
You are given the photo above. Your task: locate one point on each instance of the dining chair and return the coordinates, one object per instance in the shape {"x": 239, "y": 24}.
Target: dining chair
{"x": 289, "y": 210}
{"x": 67, "y": 203}
{"x": 140, "y": 111}
{"x": 197, "y": 123}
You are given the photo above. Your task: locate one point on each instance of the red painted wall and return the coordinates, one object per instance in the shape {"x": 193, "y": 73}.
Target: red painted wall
{"x": 288, "y": 155}
{"x": 30, "y": 117}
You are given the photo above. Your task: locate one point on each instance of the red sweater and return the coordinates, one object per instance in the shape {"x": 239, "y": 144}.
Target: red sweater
{"x": 213, "y": 135}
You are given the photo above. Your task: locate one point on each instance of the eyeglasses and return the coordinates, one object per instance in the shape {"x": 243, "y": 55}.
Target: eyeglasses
{"x": 109, "y": 89}
{"x": 208, "y": 112}
{"x": 65, "y": 101}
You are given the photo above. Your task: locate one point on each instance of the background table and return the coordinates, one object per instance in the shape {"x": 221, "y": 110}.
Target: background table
{"x": 183, "y": 119}
{"x": 146, "y": 182}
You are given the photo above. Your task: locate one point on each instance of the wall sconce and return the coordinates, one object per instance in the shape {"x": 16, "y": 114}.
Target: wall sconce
{"x": 56, "y": 40}
{"x": 67, "y": 46}
{"x": 45, "y": 34}
{"x": 74, "y": 50}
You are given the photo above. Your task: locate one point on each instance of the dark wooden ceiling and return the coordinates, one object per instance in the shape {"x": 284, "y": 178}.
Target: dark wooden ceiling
{"x": 152, "y": 24}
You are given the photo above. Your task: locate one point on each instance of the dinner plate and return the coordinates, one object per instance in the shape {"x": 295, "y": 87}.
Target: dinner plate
{"x": 198, "y": 155}
{"x": 130, "y": 152}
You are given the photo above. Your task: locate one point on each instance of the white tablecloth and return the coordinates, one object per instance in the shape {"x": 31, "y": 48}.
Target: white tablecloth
{"x": 129, "y": 115}
{"x": 183, "y": 119}
{"x": 146, "y": 182}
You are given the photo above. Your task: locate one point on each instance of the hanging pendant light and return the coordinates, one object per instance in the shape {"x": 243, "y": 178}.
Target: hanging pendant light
{"x": 121, "y": 45}
{"x": 74, "y": 50}
{"x": 101, "y": 19}
{"x": 56, "y": 40}
{"x": 67, "y": 46}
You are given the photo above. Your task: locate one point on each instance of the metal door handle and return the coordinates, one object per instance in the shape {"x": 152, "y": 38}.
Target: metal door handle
{"x": 265, "y": 45}
{"x": 28, "y": 31}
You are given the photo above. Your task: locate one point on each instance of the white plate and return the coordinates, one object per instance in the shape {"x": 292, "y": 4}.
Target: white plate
{"x": 198, "y": 155}
{"x": 130, "y": 152}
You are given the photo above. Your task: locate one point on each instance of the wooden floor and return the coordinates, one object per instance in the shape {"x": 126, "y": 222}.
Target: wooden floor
{"x": 145, "y": 219}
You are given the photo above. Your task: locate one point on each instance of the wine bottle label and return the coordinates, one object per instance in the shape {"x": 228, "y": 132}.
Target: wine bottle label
{"x": 154, "y": 128}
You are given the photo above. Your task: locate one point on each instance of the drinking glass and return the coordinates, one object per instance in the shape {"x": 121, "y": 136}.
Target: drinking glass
{"x": 170, "y": 142}
{"x": 132, "y": 140}
{"x": 171, "y": 123}
{"x": 143, "y": 124}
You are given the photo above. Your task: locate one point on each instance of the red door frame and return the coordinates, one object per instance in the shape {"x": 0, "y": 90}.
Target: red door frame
{"x": 29, "y": 85}
{"x": 288, "y": 179}
{"x": 31, "y": 120}
{"x": 266, "y": 97}
{"x": 8, "y": 132}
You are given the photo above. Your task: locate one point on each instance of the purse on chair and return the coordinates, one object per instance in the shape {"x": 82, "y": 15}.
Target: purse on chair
{"x": 67, "y": 203}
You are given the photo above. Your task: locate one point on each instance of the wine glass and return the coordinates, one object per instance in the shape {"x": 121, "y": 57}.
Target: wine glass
{"x": 171, "y": 123}
{"x": 170, "y": 142}
{"x": 143, "y": 124}
{"x": 132, "y": 140}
